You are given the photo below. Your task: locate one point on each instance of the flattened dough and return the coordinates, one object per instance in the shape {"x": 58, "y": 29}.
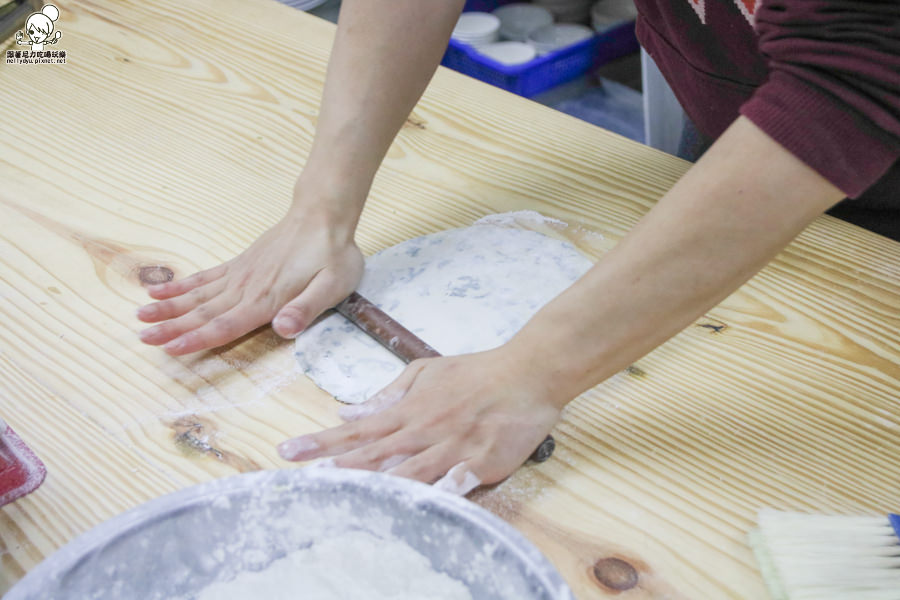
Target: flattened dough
{"x": 462, "y": 290}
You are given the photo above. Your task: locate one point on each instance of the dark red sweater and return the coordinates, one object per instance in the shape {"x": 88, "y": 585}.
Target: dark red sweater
{"x": 821, "y": 77}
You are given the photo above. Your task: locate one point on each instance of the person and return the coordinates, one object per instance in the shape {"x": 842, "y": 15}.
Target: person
{"x": 802, "y": 100}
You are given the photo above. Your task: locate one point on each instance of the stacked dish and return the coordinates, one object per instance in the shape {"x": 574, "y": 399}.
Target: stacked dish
{"x": 607, "y": 14}
{"x": 303, "y": 4}
{"x": 568, "y": 11}
{"x": 509, "y": 53}
{"x": 476, "y": 28}
{"x": 553, "y": 37}
{"x": 519, "y": 19}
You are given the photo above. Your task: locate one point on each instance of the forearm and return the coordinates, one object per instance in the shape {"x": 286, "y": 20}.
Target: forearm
{"x": 724, "y": 220}
{"x": 384, "y": 55}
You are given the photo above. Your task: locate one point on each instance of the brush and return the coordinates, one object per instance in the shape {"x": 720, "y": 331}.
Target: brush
{"x": 828, "y": 557}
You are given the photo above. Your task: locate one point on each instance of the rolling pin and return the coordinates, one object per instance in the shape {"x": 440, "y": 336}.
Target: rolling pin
{"x": 405, "y": 345}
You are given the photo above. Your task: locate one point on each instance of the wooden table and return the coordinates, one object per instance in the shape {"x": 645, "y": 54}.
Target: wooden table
{"x": 172, "y": 138}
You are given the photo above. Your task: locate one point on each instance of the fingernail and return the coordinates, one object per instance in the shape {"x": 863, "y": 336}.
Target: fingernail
{"x": 288, "y": 325}
{"x": 293, "y": 448}
{"x": 146, "y": 334}
{"x": 325, "y": 463}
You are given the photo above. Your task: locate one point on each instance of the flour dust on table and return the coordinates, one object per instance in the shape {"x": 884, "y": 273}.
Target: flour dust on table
{"x": 353, "y": 564}
{"x": 463, "y": 290}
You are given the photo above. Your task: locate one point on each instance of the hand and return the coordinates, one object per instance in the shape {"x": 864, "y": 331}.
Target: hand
{"x": 292, "y": 273}
{"x": 477, "y": 416}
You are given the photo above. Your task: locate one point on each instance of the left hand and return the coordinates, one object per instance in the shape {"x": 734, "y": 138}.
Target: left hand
{"x": 477, "y": 415}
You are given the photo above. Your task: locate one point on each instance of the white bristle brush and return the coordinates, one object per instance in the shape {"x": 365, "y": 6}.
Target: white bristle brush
{"x": 828, "y": 557}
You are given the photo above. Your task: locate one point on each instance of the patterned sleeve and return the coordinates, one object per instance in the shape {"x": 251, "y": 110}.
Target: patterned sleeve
{"x": 832, "y": 96}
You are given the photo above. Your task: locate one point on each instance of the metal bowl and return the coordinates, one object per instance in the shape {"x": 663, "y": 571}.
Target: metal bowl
{"x": 173, "y": 546}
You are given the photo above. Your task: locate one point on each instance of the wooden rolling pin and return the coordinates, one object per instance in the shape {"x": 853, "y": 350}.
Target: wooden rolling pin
{"x": 404, "y": 344}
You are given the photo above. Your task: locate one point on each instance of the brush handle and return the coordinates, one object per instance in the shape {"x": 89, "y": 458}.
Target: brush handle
{"x": 405, "y": 345}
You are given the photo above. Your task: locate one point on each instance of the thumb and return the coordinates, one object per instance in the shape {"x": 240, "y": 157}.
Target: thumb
{"x": 386, "y": 398}
{"x": 323, "y": 292}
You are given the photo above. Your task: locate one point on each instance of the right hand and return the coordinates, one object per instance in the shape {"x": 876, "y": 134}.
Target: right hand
{"x": 291, "y": 274}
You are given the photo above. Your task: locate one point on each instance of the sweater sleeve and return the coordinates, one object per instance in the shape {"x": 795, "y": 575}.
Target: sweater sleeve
{"x": 832, "y": 97}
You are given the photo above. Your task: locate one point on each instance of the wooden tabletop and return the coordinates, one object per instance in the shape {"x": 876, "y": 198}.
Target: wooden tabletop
{"x": 171, "y": 139}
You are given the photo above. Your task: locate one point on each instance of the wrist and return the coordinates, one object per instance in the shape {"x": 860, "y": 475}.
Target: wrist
{"x": 334, "y": 207}
{"x": 560, "y": 357}
{"x": 526, "y": 367}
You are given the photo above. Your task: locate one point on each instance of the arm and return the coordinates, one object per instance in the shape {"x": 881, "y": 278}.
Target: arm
{"x": 723, "y": 221}
{"x": 382, "y": 59}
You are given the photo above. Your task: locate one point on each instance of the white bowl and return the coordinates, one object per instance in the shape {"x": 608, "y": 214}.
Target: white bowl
{"x": 519, "y": 19}
{"x": 509, "y": 53}
{"x": 609, "y": 13}
{"x": 553, "y": 37}
{"x": 567, "y": 11}
{"x": 476, "y": 28}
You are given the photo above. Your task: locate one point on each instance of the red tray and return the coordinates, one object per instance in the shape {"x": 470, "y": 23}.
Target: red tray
{"x": 21, "y": 472}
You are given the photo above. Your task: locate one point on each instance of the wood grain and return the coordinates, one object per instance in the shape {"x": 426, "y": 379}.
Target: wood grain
{"x": 172, "y": 138}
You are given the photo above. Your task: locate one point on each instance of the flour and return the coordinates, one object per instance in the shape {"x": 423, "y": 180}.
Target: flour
{"x": 461, "y": 291}
{"x": 458, "y": 480}
{"x": 354, "y": 564}
{"x": 530, "y": 217}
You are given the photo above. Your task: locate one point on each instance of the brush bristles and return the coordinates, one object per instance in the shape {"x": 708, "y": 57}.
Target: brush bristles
{"x": 819, "y": 557}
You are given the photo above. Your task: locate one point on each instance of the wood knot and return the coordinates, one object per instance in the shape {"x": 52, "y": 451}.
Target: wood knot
{"x": 713, "y": 325}
{"x": 415, "y": 122}
{"x": 635, "y": 371}
{"x": 615, "y": 574}
{"x": 155, "y": 274}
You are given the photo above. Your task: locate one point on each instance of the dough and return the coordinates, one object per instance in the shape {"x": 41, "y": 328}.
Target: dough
{"x": 354, "y": 564}
{"x": 463, "y": 290}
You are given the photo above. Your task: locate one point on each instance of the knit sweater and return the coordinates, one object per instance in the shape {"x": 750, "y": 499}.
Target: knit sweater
{"x": 820, "y": 77}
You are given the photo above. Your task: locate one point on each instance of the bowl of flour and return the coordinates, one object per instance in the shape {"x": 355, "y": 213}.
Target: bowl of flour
{"x": 315, "y": 534}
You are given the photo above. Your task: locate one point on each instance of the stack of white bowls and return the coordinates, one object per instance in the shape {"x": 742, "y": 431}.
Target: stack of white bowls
{"x": 509, "y": 53}
{"x": 607, "y": 14}
{"x": 519, "y": 19}
{"x": 553, "y": 37}
{"x": 476, "y": 28}
{"x": 568, "y": 11}
{"x": 303, "y": 4}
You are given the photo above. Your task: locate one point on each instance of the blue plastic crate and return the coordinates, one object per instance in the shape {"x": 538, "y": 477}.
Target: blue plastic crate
{"x": 544, "y": 72}
{"x": 485, "y": 5}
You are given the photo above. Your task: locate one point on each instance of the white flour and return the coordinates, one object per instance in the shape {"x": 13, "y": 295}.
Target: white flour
{"x": 463, "y": 290}
{"x": 353, "y": 564}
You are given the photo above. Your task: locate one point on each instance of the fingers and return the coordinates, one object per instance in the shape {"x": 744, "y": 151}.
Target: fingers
{"x": 169, "y": 289}
{"x": 381, "y": 455}
{"x": 338, "y": 440}
{"x": 430, "y": 465}
{"x": 387, "y": 397}
{"x": 321, "y": 293}
{"x": 180, "y": 305}
{"x": 196, "y": 318}
{"x": 202, "y": 333}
